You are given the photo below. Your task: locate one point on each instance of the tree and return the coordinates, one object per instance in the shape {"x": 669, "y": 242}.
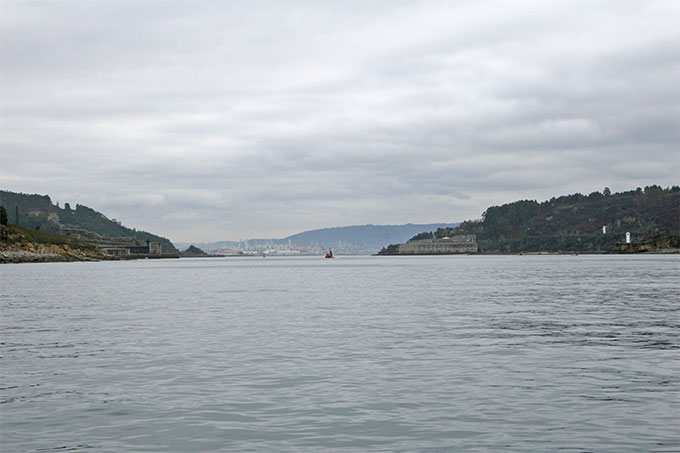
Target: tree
{"x": 606, "y": 192}
{"x": 425, "y": 235}
{"x": 3, "y": 216}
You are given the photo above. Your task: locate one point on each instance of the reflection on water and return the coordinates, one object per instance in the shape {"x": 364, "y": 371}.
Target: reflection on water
{"x": 359, "y": 353}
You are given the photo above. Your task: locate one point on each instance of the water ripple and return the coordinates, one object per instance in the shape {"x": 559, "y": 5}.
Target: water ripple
{"x": 362, "y": 354}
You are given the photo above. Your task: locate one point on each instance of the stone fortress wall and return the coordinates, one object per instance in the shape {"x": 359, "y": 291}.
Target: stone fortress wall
{"x": 120, "y": 246}
{"x": 462, "y": 243}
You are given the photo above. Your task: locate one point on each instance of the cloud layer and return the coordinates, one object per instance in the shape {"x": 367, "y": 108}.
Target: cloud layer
{"x": 225, "y": 120}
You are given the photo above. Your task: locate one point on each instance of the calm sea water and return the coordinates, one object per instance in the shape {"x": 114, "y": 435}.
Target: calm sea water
{"x": 472, "y": 353}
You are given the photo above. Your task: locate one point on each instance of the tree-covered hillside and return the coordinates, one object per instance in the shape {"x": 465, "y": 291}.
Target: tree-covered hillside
{"x": 38, "y": 211}
{"x": 575, "y": 222}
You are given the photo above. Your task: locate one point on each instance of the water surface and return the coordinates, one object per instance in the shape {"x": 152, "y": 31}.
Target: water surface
{"x": 467, "y": 353}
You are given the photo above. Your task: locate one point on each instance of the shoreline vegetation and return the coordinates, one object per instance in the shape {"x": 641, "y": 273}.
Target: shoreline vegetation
{"x": 42, "y": 231}
{"x": 38, "y": 212}
{"x": 655, "y": 244}
{"x": 637, "y": 221}
{"x": 22, "y": 245}
{"x": 568, "y": 225}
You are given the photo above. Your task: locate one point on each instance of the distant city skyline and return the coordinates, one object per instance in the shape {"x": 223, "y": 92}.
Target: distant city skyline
{"x": 210, "y": 121}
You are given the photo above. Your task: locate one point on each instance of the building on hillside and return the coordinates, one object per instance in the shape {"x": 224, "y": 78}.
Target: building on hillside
{"x": 118, "y": 246}
{"x": 462, "y": 243}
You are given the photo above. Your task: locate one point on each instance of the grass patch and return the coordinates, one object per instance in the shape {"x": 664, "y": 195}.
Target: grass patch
{"x": 17, "y": 234}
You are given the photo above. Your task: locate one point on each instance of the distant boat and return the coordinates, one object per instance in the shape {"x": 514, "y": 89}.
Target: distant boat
{"x": 329, "y": 254}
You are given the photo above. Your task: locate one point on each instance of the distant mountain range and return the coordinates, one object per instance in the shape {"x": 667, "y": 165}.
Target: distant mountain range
{"x": 356, "y": 239}
{"x": 38, "y": 211}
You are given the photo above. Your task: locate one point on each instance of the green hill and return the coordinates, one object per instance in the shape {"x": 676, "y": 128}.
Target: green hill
{"x": 38, "y": 211}
{"x": 574, "y": 222}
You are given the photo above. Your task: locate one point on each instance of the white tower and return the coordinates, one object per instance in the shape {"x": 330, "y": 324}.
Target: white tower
{"x": 627, "y": 238}
{"x": 604, "y": 229}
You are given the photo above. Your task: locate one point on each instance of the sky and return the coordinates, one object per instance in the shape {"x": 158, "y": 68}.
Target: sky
{"x": 218, "y": 120}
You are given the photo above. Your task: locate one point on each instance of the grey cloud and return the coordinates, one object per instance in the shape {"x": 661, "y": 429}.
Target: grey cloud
{"x": 217, "y": 121}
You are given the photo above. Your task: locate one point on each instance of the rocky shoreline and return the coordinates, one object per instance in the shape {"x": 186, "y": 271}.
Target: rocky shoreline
{"x": 49, "y": 253}
{"x": 21, "y": 245}
{"x": 31, "y": 257}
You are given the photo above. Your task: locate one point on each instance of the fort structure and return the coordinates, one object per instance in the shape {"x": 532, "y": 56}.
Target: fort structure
{"x": 462, "y": 243}
{"x": 124, "y": 247}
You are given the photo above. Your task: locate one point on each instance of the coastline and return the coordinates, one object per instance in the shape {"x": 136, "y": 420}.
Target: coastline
{"x": 21, "y": 245}
{"x": 669, "y": 251}
{"x": 39, "y": 253}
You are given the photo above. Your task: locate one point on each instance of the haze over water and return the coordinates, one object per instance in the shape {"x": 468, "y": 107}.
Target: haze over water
{"x": 468, "y": 353}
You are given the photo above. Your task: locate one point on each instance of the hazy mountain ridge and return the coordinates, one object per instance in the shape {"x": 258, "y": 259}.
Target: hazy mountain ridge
{"x": 367, "y": 237}
{"x": 38, "y": 211}
{"x": 360, "y": 239}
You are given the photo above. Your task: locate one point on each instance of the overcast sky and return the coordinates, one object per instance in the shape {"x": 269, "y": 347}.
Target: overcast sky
{"x": 225, "y": 120}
